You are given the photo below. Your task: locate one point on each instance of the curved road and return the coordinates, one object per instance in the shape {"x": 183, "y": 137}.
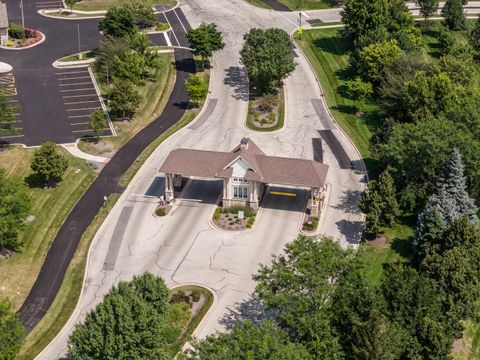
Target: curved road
{"x": 182, "y": 247}
{"x": 34, "y": 62}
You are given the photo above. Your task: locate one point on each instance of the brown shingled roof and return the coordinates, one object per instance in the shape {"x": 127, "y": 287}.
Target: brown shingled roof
{"x": 268, "y": 169}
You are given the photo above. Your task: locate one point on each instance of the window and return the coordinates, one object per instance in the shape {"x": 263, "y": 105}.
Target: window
{"x": 240, "y": 192}
{"x": 240, "y": 180}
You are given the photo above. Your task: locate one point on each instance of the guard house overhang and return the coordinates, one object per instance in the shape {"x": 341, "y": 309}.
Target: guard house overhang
{"x": 245, "y": 172}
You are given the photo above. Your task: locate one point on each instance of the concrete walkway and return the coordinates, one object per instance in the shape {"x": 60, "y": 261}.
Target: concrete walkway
{"x": 75, "y": 151}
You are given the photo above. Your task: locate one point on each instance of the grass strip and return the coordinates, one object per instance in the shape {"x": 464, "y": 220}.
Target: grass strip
{"x": 67, "y": 298}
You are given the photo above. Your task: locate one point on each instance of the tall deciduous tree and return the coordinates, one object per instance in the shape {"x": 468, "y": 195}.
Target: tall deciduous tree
{"x": 427, "y": 7}
{"x": 298, "y": 285}
{"x": 363, "y": 17}
{"x": 118, "y": 22}
{"x": 375, "y": 59}
{"x": 206, "y": 39}
{"x": 14, "y": 207}
{"x": 48, "y": 163}
{"x": 97, "y": 122}
{"x": 11, "y": 331}
{"x": 454, "y": 15}
{"x": 128, "y": 324}
{"x": 197, "y": 88}
{"x": 124, "y": 99}
{"x": 248, "y": 341}
{"x": 268, "y": 57}
{"x": 129, "y": 68}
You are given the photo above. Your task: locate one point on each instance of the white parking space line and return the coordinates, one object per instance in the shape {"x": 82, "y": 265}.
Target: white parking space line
{"x": 84, "y": 89}
{"x": 82, "y": 83}
{"x": 180, "y": 21}
{"x": 78, "y": 116}
{"x": 73, "y": 72}
{"x": 84, "y": 109}
{"x": 11, "y": 136}
{"x": 77, "y": 96}
{"x": 82, "y": 102}
{"x": 75, "y": 124}
{"x": 173, "y": 32}
{"x": 75, "y": 78}
{"x": 167, "y": 39}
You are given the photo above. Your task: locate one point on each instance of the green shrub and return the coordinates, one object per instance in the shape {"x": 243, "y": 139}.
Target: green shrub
{"x": 271, "y": 118}
{"x": 235, "y": 209}
{"x": 218, "y": 214}
{"x": 311, "y": 227}
{"x": 250, "y": 222}
{"x": 179, "y": 297}
{"x": 162, "y": 26}
{"x": 160, "y": 211}
{"x": 196, "y": 295}
{"x": 16, "y": 31}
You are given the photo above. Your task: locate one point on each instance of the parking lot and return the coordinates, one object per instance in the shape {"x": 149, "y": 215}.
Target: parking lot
{"x": 179, "y": 26}
{"x": 79, "y": 98}
{"x": 8, "y": 88}
{"x": 48, "y": 4}
{"x": 60, "y": 114}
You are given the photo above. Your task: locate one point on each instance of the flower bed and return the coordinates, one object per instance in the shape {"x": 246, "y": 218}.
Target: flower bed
{"x": 32, "y": 37}
{"x": 228, "y": 219}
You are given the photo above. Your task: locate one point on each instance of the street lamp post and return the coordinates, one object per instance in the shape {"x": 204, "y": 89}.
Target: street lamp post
{"x": 23, "y": 18}
{"x": 79, "y": 47}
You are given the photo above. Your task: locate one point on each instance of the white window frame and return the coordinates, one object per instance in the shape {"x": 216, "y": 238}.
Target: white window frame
{"x": 240, "y": 192}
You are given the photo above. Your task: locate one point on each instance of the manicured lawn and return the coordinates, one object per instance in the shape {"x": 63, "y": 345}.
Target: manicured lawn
{"x": 309, "y": 4}
{"x": 67, "y": 297}
{"x": 327, "y": 51}
{"x": 50, "y": 208}
{"x": 92, "y": 5}
{"x": 154, "y": 97}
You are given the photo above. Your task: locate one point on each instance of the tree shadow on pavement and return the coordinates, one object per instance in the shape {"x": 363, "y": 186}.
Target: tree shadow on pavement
{"x": 352, "y": 230}
{"x": 237, "y": 78}
{"x": 251, "y": 310}
{"x": 349, "y": 201}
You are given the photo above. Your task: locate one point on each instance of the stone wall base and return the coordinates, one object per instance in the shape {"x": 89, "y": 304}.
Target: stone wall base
{"x": 234, "y": 202}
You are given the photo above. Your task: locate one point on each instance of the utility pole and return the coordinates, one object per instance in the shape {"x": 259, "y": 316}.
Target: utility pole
{"x": 79, "y": 47}
{"x": 23, "y": 18}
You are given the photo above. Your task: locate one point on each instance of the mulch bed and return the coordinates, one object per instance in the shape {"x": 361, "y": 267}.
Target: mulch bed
{"x": 231, "y": 222}
{"x": 33, "y": 36}
{"x": 380, "y": 240}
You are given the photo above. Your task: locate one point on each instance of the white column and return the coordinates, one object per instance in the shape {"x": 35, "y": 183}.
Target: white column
{"x": 169, "y": 195}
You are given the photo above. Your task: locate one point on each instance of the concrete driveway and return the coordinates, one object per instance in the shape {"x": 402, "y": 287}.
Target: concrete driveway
{"x": 183, "y": 247}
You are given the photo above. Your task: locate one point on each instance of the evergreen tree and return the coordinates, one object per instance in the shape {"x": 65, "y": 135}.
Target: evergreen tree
{"x": 454, "y": 15}
{"x": 453, "y": 180}
{"x": 388, "y": 199}
{"x": 448, "y": 202}
{"x": 474, "y": 38}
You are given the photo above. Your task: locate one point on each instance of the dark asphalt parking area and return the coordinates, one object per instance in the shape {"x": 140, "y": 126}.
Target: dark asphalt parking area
{"x": 54, "y": 105}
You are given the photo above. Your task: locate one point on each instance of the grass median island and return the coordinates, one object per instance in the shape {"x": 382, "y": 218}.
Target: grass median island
{"x": 50, "y": 208}
{"x": 96, "y": 5}
{"x": 67, "y": 298}
{"x": 154, "y": 96}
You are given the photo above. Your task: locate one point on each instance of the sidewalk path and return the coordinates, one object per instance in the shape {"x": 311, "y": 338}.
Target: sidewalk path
{"x": 75, "y": 151}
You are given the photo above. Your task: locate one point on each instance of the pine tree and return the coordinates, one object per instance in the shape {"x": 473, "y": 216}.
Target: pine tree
{"x": 388, "y": 199}
{"x": 449, "y": 202}
{"x": 454, "y": 15}
{"x": 454, "y": 182}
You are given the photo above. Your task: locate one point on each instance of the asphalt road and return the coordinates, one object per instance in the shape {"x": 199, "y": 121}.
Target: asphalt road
{"x": 54, "y": 106}
{"x": 65, "y": 243}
